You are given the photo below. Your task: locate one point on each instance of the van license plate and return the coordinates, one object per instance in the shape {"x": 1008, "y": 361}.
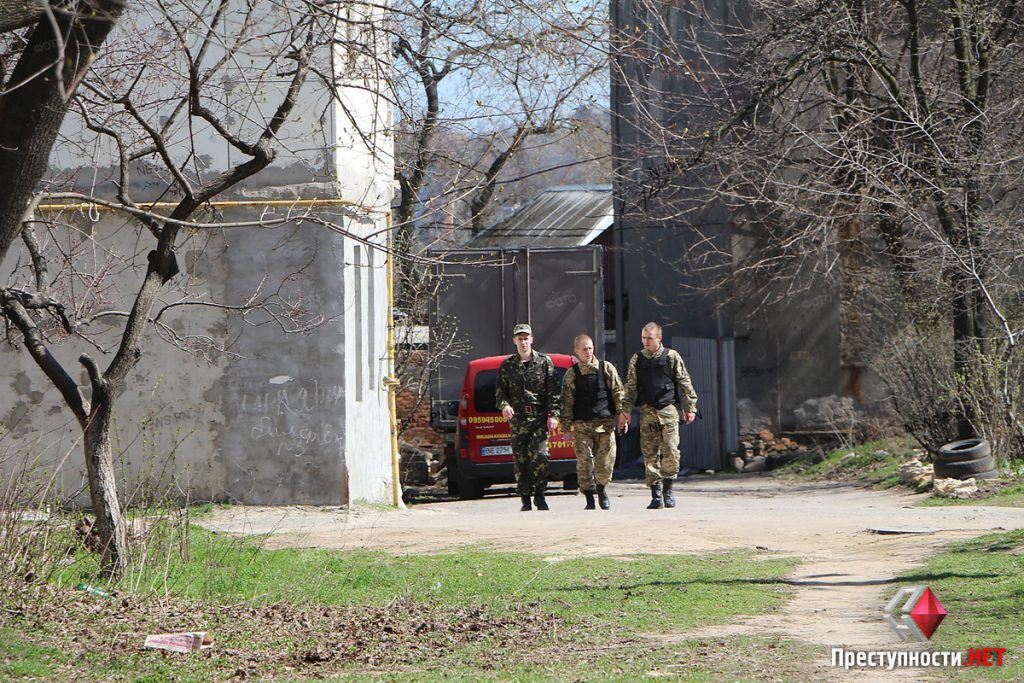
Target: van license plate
{"x": 496, "y": 450}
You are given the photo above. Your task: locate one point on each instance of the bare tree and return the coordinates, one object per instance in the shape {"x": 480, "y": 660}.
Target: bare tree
{"x": 496, "y": 74}
{"x": 483, "y": 90}
{"x": 185, "y": 80}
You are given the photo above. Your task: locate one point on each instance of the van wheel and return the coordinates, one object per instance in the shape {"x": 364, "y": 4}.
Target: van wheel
{"x": 469, "y": 489}
{"x": 453, "y": 477}
{"x": 571, "y": 482}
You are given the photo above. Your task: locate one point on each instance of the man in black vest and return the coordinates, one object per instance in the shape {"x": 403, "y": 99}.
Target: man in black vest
{"x": 591, "y": 396}
{"x": 658, "y": 382}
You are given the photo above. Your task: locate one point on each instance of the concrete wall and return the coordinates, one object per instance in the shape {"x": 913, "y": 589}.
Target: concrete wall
{"x": 273, "y": 418}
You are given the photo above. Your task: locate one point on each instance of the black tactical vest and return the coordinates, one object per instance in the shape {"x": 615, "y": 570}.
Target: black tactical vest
{"x": 591, "y": 402}
{"x": 654, "y": 383}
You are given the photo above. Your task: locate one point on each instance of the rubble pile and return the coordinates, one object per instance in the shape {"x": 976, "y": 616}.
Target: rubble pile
{"x": 916, "y": 474}
{"x": 955, "y": 488}
{"x": 921, "y": 476}
{"x": 765, "y": 451}
{"x": 414, "y": 464}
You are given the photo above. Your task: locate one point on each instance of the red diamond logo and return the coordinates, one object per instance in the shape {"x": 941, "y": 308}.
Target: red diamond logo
{"x": 928, "y": 613}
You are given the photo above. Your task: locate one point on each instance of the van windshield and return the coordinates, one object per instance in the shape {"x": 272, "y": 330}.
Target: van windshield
{"x": 484, "y": 386}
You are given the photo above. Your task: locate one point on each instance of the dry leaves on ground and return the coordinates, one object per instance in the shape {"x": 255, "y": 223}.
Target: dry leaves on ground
{"x": 250, "y": 639}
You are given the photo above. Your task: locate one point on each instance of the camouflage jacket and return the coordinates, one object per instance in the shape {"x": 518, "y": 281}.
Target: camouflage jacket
{"x": 684, "y": 386}
{"x": 616, "y": 394}
{"x": 531, "y": 383}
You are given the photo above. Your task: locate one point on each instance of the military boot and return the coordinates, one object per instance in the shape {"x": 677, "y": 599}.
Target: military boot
{"x": 655, "y": 503}
{"x": 590, "y": 500}
{"x": 538, "y": 500}
{"x": 670, "y": 500}
{"x": 526, "y": 504}
{"x": 602, "y": 497}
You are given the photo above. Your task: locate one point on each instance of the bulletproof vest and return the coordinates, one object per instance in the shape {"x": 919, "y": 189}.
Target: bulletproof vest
{"x": 591, "y": 402}
{"x": 654, "y": 383}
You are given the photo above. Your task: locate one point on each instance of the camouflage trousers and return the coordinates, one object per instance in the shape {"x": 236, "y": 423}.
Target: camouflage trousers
{"x": 595, "y": 452}
{"x": 530, "y": 450}
{"x": 659, "y": 442}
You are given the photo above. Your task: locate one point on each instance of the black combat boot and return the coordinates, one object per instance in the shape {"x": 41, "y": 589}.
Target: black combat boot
{"x": 526, "y": 504}
{"x": 655, "y": 503}
{"x": 538, "y": 500}
{"x": 602, "y": 497}
{"x": 670, "y": 500}
{"x": 590, "y": 500}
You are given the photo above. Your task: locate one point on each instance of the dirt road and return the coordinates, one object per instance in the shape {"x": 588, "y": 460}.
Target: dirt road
{"x": 841, "y": 585}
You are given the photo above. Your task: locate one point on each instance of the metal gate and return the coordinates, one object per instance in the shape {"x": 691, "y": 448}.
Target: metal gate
{"x": 711, "y": 364}
{"x": 485, "y": 292}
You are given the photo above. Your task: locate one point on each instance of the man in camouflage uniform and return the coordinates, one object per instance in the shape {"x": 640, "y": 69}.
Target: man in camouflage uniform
{"x": 527, "y": 394}
{"x": 591, "y": 397}
{"x": 658, "y": 382}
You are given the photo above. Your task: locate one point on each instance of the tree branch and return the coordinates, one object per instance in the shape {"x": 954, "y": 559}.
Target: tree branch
{"x": 50, "y": 366}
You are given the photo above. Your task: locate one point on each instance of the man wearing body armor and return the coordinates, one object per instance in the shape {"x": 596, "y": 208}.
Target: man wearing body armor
{"x": 592, "y": 394}
{"x": 657, "y": 382}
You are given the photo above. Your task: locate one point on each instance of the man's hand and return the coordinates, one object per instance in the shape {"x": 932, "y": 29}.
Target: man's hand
{"x": 552, "y": 425}
{"x": 689, "y": 417}
{"x": 508, "y": 412}
{"x": 623, "y": 422}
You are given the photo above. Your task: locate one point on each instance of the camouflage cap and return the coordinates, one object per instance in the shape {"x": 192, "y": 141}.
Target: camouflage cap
{"x": 522, "y": 328}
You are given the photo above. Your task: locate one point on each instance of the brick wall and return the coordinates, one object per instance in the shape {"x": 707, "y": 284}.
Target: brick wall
{"x": 414, "y": 412}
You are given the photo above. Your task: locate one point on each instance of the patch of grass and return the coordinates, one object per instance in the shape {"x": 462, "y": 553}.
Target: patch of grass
{"x": 21, "y": 659}
{"x": 203, "y": 509}
{"x": 992, "y": 492}
{"x": 683, "y": 591}
{"x": 362, "y": 504}
{"x": 873, "y": 462}
{"x": 877, "y": 463}
{"x": 737, "y": 658}
{"x": 981, "y": 585}
{"x": 280, "y": 612}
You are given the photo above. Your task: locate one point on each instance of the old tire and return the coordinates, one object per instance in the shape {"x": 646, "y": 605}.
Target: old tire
{"x": 968, "y": 449}
{"x": 964, "y": 468}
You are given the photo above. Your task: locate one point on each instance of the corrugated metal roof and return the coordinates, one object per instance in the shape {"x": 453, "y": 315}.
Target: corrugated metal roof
{"x": 564, "y": 216}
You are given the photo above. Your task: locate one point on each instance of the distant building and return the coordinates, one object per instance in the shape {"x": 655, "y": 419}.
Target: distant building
{"x": 779, "y": 362}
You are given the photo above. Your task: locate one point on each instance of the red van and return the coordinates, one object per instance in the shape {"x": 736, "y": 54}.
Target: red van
{"x": 483, "y": 447}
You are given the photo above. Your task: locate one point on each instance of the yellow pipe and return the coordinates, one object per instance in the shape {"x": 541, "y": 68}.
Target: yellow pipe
{"x": 222, "y": 204}
{"x": 392, "y": 382}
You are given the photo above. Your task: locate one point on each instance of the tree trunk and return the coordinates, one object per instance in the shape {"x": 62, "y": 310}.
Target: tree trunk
{"x": 964, "y": 350}
{"x": 99, "y": 463}
{"x": 15, "y": 14}
{"x": 407, "y": 277}
{"x": 31, "y": 113}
